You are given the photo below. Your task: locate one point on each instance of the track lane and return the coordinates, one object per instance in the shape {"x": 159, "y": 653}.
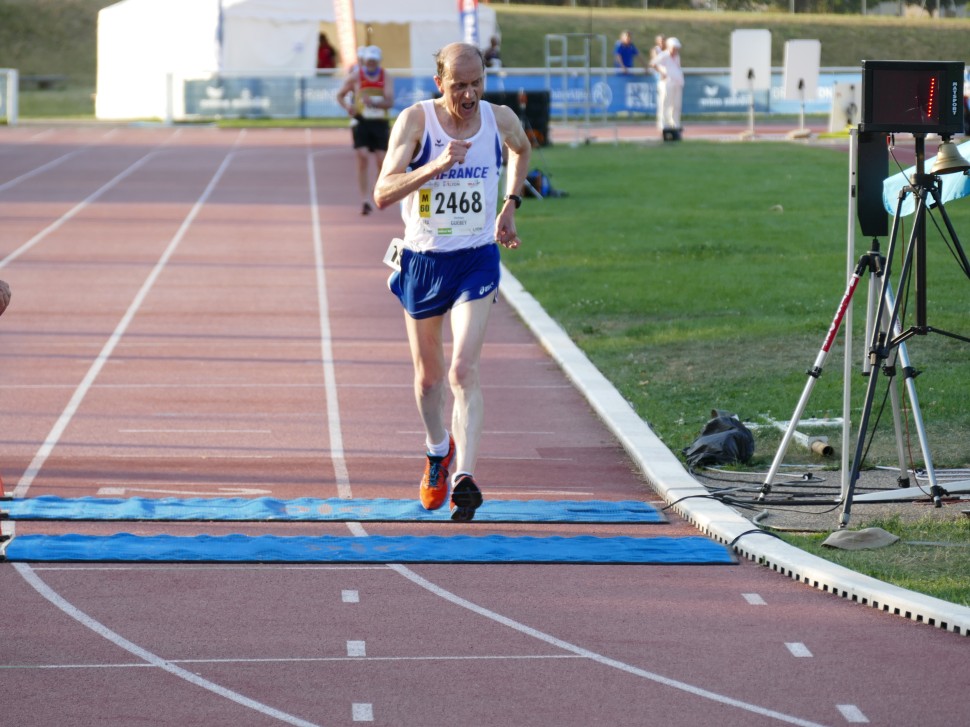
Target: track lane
{"x": 654, "y": 620}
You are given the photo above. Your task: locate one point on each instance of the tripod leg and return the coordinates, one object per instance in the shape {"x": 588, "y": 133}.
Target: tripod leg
{"x": 814, "y": 373}
{"x": 909, "y": 374}
{"x": 878, "y": 350}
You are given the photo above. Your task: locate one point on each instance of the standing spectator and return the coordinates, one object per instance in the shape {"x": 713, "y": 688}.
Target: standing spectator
{"x": 443, "y": 165}
{"x": 670, "y": 93}
{"x": 625, "y": 53}
{"x": 366, "y": 96}
{"x": 4, "y": 296}
{"x": 659, "y": 41}
{"x": 326, "y": 53}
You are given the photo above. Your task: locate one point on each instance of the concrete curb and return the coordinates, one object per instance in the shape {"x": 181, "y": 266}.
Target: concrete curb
{"x": 674, "y": 483}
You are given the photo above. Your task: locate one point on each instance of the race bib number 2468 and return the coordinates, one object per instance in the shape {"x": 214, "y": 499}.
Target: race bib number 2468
{"x": 453, "y": 207}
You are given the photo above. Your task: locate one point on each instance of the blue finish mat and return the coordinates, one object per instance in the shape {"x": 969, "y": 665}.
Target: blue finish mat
{"x": 310, "y": 509}
{"x": 586, "y": 549}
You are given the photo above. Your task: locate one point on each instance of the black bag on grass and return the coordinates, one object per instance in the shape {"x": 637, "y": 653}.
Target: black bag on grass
{"x": 538, "y": 185}
{"x": 724, "y": 440}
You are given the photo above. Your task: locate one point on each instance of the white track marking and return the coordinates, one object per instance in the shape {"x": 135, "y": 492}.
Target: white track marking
{"x": 356, "y": 648}
{"x": 350, "y": 596}
{"x": 852, "y": 714}
{"x": 754, "y": 599}
{"x": 798, "y": 649}
{"x": 362, "y": 712}
{"x": 296, "y": 660}
{"x": 219, "y": 492}
{"x": 341, "y": 474}
{"x": 39, "y": 170}
{"x": 81, "y": 391}
{"x": 59, "y": 160}
{"x": 54, "y": 436}
{"x": 76, "y": 209}
{"x": 195, "y": 431}
{"x": 593, "y": 656}
{"x": 150, "y": 658}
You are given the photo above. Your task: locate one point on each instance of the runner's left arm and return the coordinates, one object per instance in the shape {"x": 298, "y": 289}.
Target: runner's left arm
{"x": 520, "y": 151}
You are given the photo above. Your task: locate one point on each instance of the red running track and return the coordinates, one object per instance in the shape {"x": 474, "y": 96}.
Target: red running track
{"x": 202, "y": 312}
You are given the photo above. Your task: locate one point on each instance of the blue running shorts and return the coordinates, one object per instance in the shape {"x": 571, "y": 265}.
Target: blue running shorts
{"x": 430, "y": 283}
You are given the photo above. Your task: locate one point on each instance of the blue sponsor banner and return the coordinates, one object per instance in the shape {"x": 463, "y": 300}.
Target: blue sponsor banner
{"x": 623, "y": 94}
{"x": 611, "y": 94}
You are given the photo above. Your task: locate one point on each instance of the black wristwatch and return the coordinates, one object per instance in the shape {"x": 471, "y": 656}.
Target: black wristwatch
{"x": 515, "y": 198}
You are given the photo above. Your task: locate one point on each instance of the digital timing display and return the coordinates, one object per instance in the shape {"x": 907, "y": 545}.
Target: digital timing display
{"x": 907, "y": 98}
{"x": 912, "y": 96}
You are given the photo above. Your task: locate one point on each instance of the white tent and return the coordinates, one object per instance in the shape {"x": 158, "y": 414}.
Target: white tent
{"x": 142, "y": 43}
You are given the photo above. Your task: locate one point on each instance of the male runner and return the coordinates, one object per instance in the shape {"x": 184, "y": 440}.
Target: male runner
{"x": 444, "y": 161}
{"x": 366, "y": 95}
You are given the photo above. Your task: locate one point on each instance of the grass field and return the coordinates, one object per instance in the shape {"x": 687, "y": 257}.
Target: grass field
{"x": 703, "y": 275}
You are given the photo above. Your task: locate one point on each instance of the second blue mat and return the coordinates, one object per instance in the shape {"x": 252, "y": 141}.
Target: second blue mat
{"x": 586, "y": 549}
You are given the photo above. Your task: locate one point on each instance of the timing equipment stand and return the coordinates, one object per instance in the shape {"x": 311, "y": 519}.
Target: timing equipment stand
{"x": 887, "y": 338}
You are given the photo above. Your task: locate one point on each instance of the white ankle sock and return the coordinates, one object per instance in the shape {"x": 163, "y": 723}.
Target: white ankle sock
{"x": 454, "y": 477}
{"x": 438, "y": 450}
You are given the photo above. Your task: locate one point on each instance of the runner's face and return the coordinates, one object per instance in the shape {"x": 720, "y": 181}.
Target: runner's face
{"x": 462, "y": 86}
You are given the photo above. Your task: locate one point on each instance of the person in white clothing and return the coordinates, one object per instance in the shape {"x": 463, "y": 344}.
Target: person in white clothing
{"x": 443, "y": 164}
{"x": 670, "y": 89}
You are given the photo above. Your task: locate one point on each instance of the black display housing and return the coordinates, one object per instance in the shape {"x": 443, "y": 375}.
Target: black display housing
{"x": 918, "y": 97}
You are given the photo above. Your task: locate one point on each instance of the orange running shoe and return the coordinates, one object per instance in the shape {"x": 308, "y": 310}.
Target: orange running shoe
{"x": 435, "y": 483}
{"x": 466, "y": 498}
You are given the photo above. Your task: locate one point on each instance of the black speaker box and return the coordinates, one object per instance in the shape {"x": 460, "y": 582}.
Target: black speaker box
{"x": 872, "y": 168}
{"x": 536, "y": 113}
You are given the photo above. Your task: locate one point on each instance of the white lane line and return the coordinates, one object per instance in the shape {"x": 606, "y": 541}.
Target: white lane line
{"x": 61, "y": 159}
{"x": 33, "y": 469}
{"x": 358, "y": 530}
{"x": 356, "y": 648}
{"x": 276, "y": 568}
{"x": 362, "y": 712}
{"x": 296, "y": 660}
{"x": 75, "y": 210}
{"x": 218, "y": 492}
{"x": 350, "y": 596}
{"x": 798, "y": 649}
{"x": 120, "y": 641}
{"x": 195, "y": 431}
{"x": 754, "y": 599}
{"x": 592, "y": 655}
{"x": 341, "y": 474}
{"x": 852, "y": 714}
{"x": 40, "y": 170}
